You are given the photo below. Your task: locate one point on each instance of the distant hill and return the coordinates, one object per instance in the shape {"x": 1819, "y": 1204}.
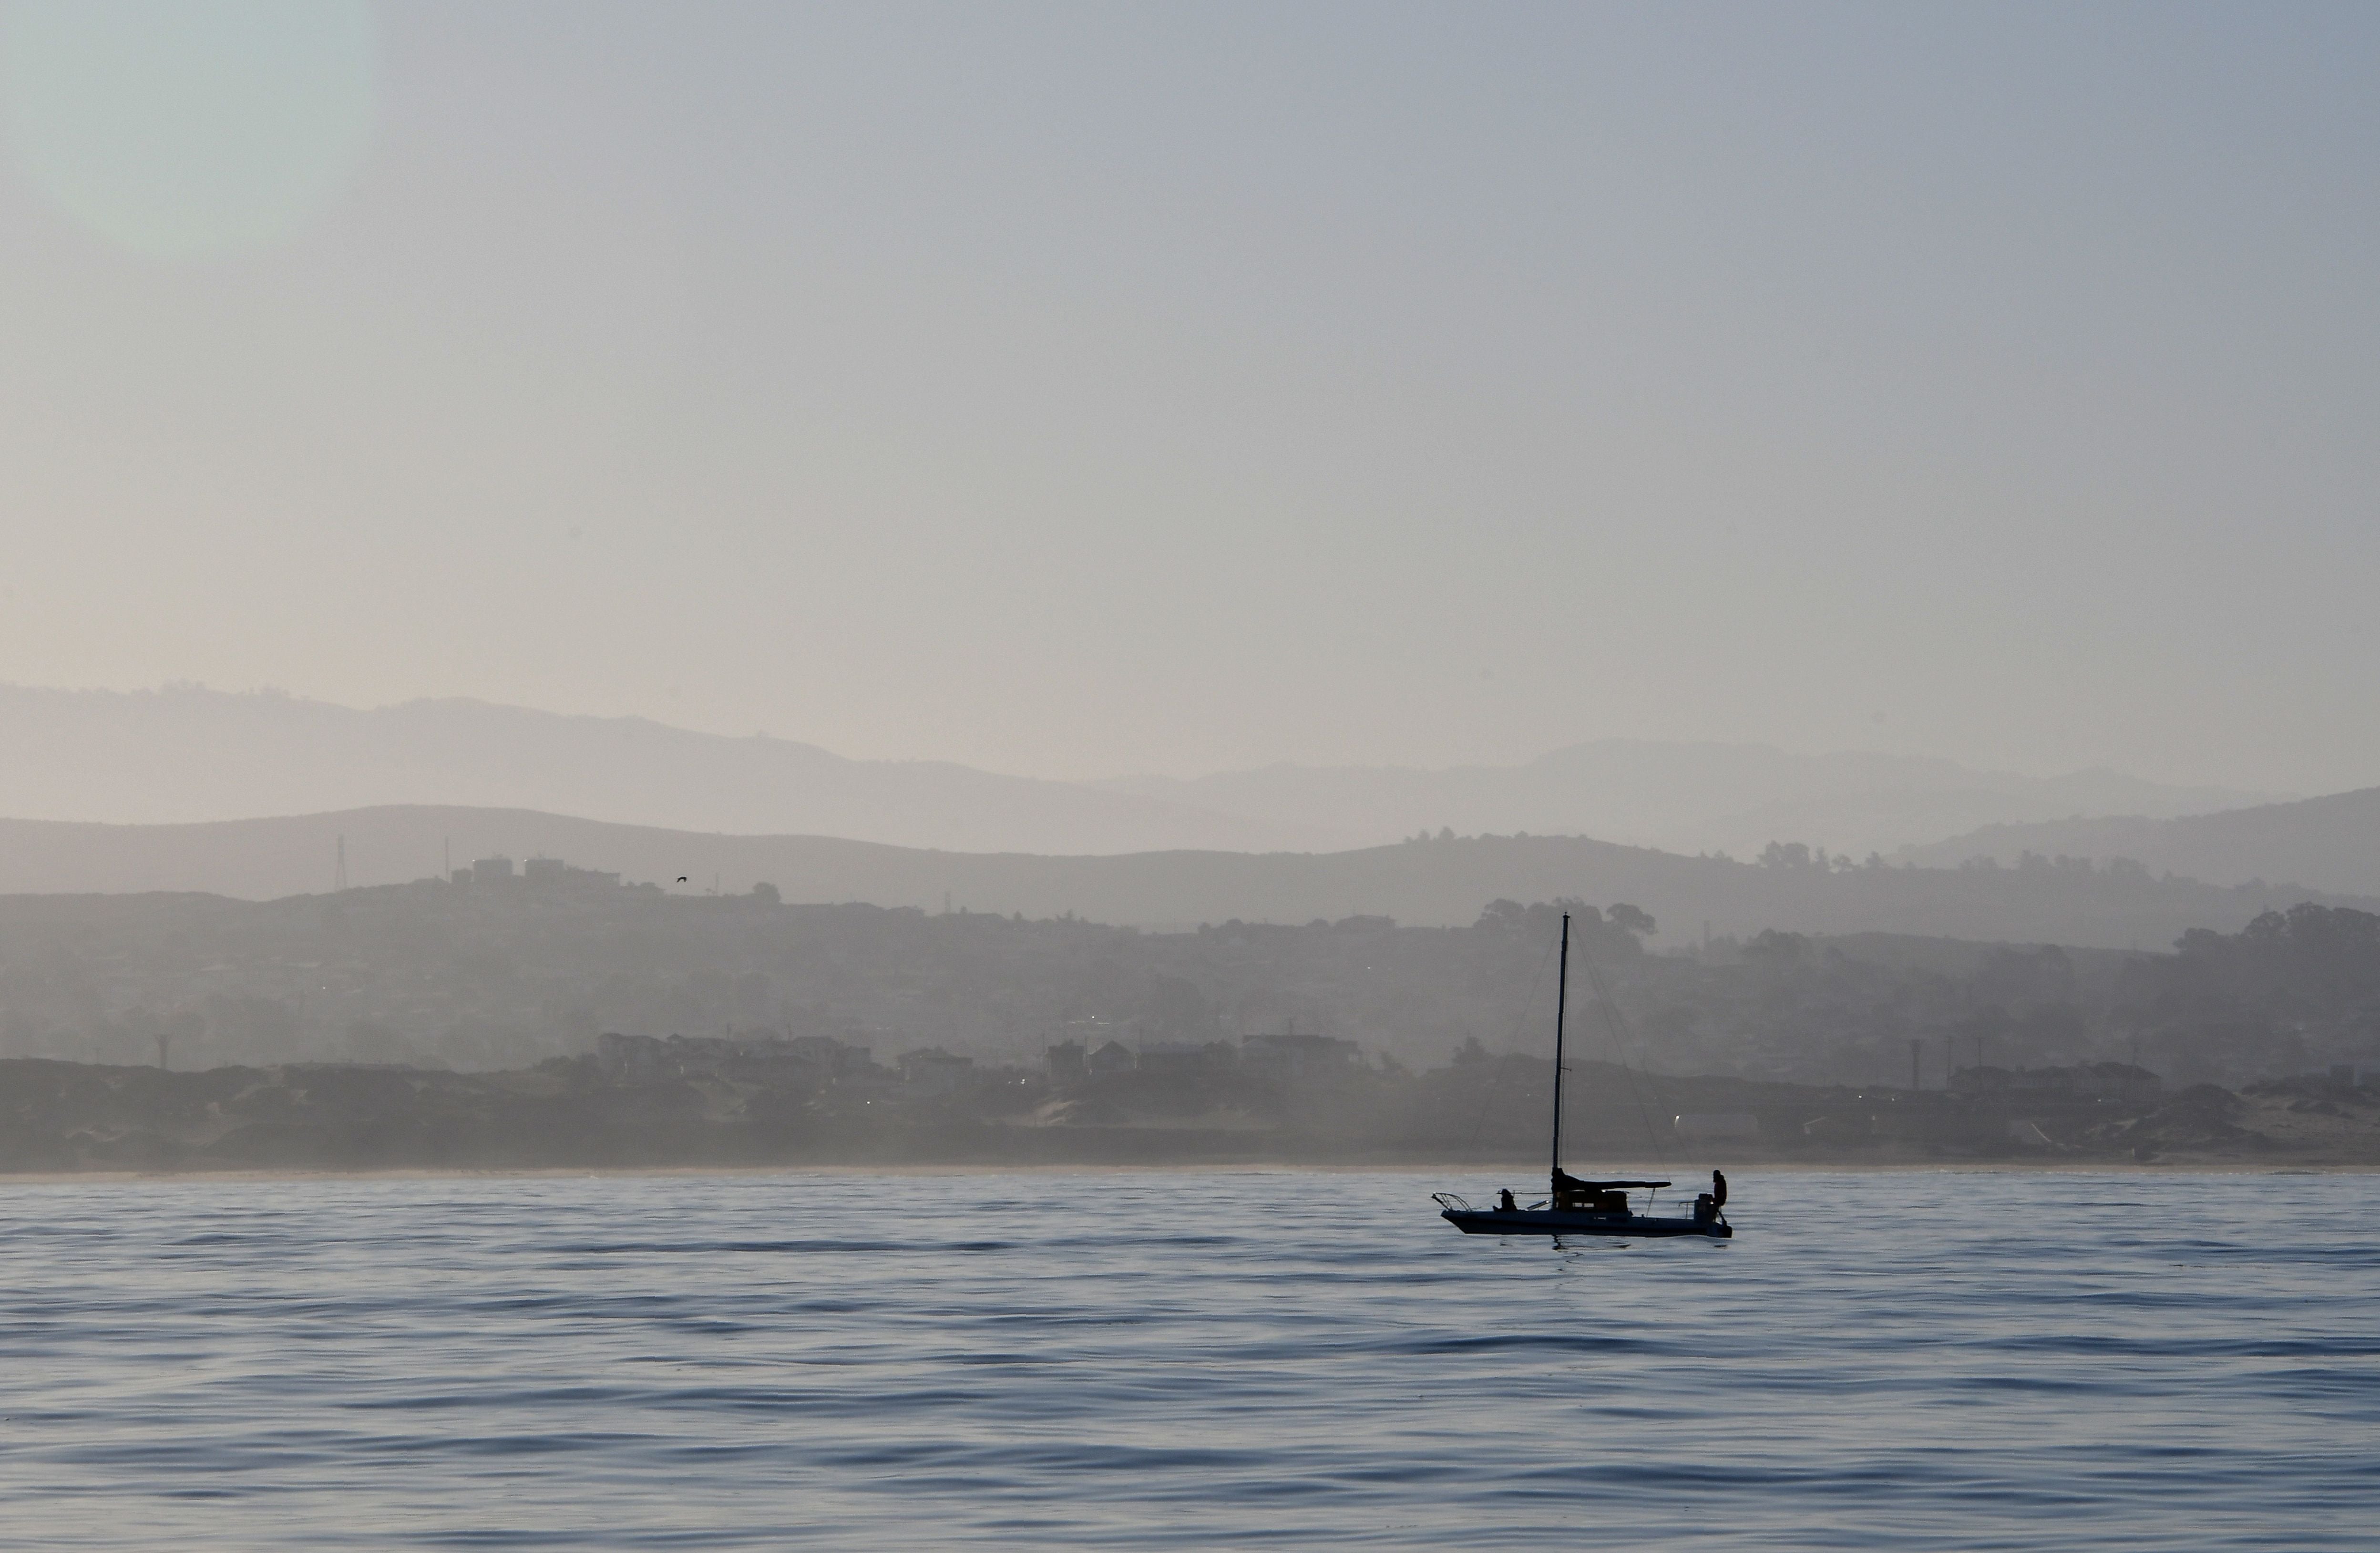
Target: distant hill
{"x": 2330, "y": 843}
{"x": 1681, "y": 797}
{"x": 1439, "y": 882}
{"x": 185, "y": 754}
{"x": 191, "y": 754}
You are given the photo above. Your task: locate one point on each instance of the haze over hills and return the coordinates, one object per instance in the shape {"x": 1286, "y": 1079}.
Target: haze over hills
{"x": 1442, "y": 883}
{"x": 2330, "y": 842}
{"x": 1681, "y": 797}
{"x": 190, "y": 754}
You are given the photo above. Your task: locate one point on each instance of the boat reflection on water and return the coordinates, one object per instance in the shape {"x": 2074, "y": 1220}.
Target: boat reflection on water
{"x": 1586, "y": 1207}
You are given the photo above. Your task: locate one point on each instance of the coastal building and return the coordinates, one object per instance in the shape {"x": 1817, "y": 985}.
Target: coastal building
{"x": 1295, "y": 1054}
{"x": 761, "y": 1057}
{"x": 1730, "y": 1126}
{"x": 838, "y": 1058}
{"x": 931, "y": 1071}
{"x": 1185, "y": 1057}
{"x": 2086, "y": 1082}
{"x": 546, "y": 873}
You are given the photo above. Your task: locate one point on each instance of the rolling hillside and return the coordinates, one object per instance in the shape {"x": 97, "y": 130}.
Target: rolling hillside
{"x": 1439, "y": 882}
{"x": 2329, "y": 843}
{"x": 191, "y": 754}
{"x": 1681, "y": 798}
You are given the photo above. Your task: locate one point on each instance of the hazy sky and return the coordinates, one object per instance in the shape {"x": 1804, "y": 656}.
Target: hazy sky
{"x": 1075, "y": 390}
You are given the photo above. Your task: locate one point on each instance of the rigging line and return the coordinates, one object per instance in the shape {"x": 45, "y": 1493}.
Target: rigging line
{"x": 1496, "y": 1069}
{"x": 1614, "y": 1025}
{"x": 1495, "y": 1072}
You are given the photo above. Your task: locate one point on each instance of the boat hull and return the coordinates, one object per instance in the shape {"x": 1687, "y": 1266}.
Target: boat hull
{"x": 1570, "y": 1221}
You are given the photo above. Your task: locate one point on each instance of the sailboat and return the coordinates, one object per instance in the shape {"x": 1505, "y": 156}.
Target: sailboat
{"x": 1585, "y": 1208}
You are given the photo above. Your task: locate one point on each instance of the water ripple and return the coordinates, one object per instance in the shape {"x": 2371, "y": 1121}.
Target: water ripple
{"x": 1162, "y": 1360}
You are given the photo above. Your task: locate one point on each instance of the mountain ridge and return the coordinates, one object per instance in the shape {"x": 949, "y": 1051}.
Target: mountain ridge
{"x": 1686, "y": 796}
{"x": 91, "y": 756}
{"x": 185, "y": 753}
{"x": 1422, "y": 883}
{"x": 2330, "y": 842}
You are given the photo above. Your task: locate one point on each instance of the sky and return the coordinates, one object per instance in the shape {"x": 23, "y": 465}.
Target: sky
{"x": 1081, "y": 390}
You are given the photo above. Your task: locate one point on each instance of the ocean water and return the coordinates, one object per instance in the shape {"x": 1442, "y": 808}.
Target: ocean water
{"x": 1173, "y": 1360}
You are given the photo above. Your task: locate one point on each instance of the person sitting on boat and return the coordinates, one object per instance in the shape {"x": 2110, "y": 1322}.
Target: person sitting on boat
{"x": 1504, "y": 1200}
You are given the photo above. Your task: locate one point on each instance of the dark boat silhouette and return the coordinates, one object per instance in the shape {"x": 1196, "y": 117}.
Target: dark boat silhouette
{"x": 1585, "y": 1208}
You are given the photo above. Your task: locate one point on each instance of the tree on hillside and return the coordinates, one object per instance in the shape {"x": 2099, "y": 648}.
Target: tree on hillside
{"x": 1631, "y": 919}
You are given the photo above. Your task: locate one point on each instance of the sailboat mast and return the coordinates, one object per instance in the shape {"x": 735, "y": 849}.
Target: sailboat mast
{"x": 1561, "y": 1004}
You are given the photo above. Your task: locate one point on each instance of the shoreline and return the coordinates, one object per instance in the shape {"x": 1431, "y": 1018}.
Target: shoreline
{"x": 1741, "y": 1167}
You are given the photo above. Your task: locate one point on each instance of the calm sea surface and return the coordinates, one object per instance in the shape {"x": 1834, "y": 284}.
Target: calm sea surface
{"x": 1168, "y": 1360}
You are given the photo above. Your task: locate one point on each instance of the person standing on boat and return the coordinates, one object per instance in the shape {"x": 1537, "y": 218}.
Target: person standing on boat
{"x": 1718, "y": 1189}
